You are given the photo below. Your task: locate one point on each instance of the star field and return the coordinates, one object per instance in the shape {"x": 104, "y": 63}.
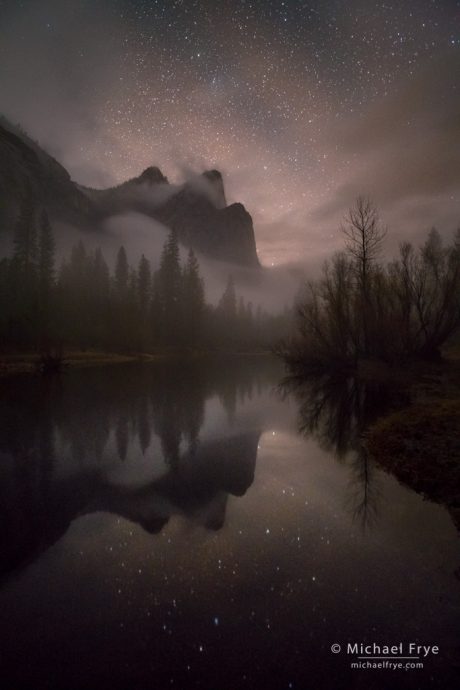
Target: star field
{"x": 266, "y": 91}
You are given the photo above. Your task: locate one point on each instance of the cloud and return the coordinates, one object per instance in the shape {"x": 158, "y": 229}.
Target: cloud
{"x": 107, "y": 104}
{"x": 405, "y": 152}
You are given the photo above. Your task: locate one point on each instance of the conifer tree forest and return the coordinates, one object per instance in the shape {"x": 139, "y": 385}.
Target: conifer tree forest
{"x": 82, "y": 304}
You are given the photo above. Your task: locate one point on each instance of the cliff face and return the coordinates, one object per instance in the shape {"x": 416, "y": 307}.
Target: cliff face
{"x": 24, "y": 165}
{"x": 197, "y": 210}
{"x": 204, "y": 221}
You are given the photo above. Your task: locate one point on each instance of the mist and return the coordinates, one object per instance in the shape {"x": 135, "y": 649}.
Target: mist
{"x": 229, "y": 343}
{"x": 273, "y": 289}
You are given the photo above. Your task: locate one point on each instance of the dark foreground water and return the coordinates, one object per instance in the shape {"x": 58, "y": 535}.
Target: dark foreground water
{"x": 169, "y": 526}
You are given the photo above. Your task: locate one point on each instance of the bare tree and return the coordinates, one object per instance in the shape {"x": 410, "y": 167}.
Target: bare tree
{"x": 361, "y": 307}
{"x": 364, "y": 238}
{"x": 364, "y": 235}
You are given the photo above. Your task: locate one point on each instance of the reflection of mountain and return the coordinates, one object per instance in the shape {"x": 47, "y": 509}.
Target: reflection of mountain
{"x": 198, "y": 488}
{"x": 37, "y": 510}
{"x": 60, "y": 442}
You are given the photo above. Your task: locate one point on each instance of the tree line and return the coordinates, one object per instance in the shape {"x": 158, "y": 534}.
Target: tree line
{"x": 84, "y": 304}
{"x": 362, "y": 307}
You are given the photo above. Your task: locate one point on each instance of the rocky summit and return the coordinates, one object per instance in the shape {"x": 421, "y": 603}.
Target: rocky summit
{"x": 197, "y": 209}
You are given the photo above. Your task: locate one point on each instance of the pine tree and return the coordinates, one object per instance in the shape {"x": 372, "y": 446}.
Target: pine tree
{"x": 193, "y": 298}
{"x": 121, "y": 323}
{"x": 156, "y": 310}
{"x": 170, "y": 271}
{"x": 78, "y": 266}
{"x": 46, "y": 250}
{"x": 144, "y": 284}
{"x": 101, "y": 276}
{"x": 25, "y": 236}
{"x": 225, "y": 316}
{"x": 100, "y": 303}
{"x": 227, "y": 304}
{"x": 456, "y": 244}
{"x": 5, "y": 298}
{"x": 121, "y": 273}
{"x": 168, "y": 285}
{"x": 23, "y": 287}
{"x": 143, "y": 301}
{"x": 74, "y": 291}
{"x": 46, "y": 258}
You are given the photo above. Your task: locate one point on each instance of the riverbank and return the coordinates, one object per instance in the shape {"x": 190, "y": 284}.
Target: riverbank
{"x": 420, "y": 443}
{"x": 28, "y": 363}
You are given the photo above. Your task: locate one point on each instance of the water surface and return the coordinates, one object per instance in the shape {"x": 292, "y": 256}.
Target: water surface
{"x": 191, "y": 525}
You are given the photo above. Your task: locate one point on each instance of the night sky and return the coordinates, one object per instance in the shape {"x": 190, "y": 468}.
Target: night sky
{"x": 301, "y": 105}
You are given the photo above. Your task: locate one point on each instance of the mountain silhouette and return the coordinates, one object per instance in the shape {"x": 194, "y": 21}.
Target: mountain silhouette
{"x": 197, "y": 209}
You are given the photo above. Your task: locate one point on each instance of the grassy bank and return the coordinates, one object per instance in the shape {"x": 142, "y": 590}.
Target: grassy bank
{"x": 420, "y": 444}
{"x": 26, "y": 363}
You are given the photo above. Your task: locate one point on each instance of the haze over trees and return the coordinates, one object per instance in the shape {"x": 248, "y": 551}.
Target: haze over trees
{"x": 365, "y": 308}
{"x": 83, "y": 304}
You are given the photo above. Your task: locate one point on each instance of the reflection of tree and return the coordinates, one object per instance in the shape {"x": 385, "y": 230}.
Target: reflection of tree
{"x": 126, "y": 403}
{"x": 326, "y": 412}
{"x": 167, "y": 426}
{"x": 178, "y": 409}
{"x": 143, "y": 424}
{"x": 363, "y": 499}
{"x": 122, "y": 436}
{"x": 228, "y": 399}
{"x": 337, "y": 411}
{"x": 27, "y": 451}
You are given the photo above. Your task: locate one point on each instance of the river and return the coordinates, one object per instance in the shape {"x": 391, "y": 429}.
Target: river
{"x": 198, "y": 525}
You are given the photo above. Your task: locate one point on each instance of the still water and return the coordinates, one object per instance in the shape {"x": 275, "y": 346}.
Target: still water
{"x": 195, "y": 525}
